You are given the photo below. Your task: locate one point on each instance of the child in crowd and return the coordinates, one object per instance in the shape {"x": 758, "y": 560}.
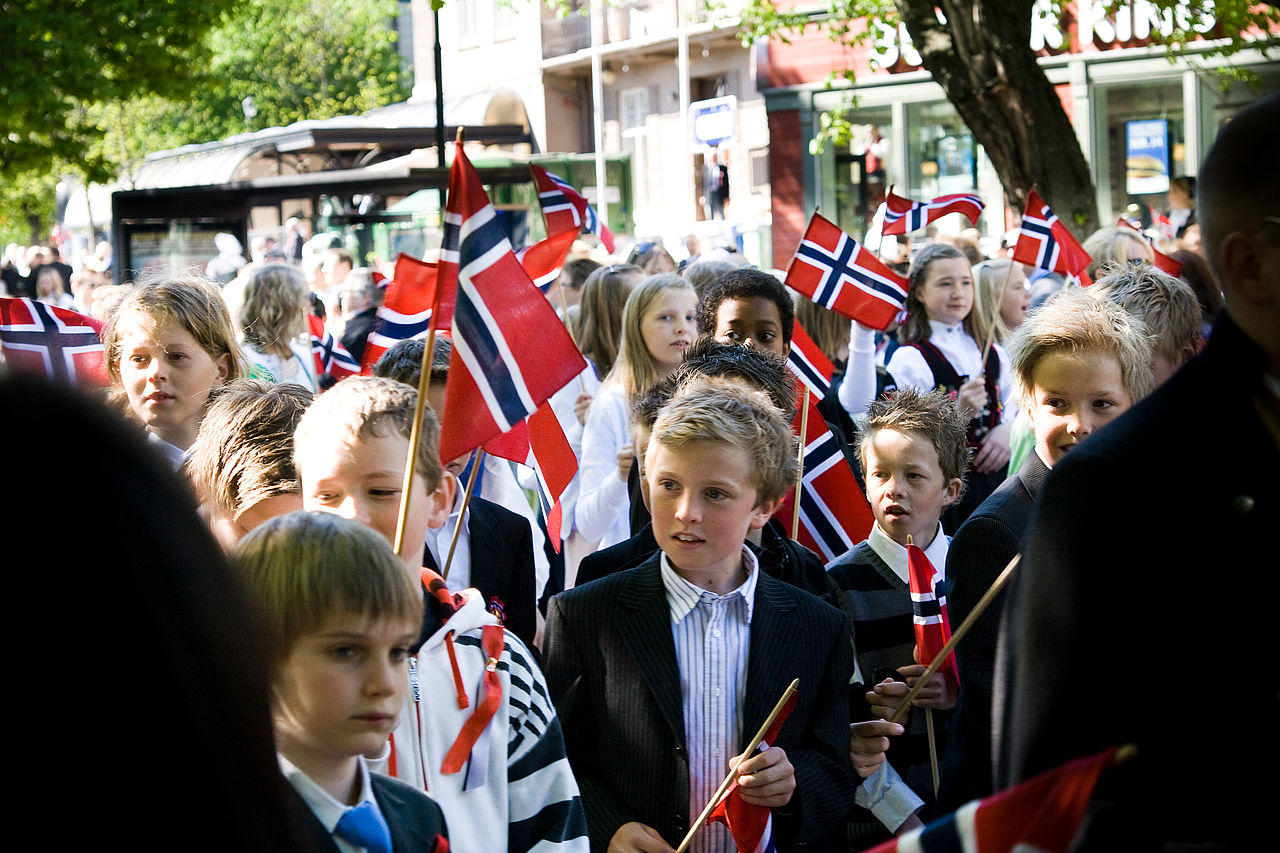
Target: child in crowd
{"x": 1079, "y": 362}
{"x": 779, "y": 555}
{"x": 653, "y": 726}
{"x": 1001, "y": 297}
{"x": 241, "y": 463}
{"x": 339, "y": 614}
{"x": 1115, "y": 245}
{"x": 504, "y": 785}
{"x": 272, "y": 316}
{"x": 495, "y": 551}
{"x": 940, "y": 349}
{"x": 168, "y": 345}
{"x": 914, "y": 452}
{"x": 657, "y": 328}
{"x": 598, "y": 332}
{"x": 1167, "y": 306}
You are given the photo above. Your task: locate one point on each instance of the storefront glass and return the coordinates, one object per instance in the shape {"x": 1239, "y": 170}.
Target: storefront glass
{"x": 863, "y": 170}
{"x": 943, "y": 159}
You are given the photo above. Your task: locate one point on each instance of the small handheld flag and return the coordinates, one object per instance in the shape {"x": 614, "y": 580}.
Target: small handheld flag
{"x": 564, "y": 208}
{"x": 56, "y": 343}
{"x": 406, "y": 311}
{"x": 510, "y": 350}
{"x": 330, "y": 355}
{"x": 837, "y": 272}
{"x": 544, "y": 259}
{"x": 929, "y": 612}
{"x": 1042, "y": 814}
{"x": 1045, "y": 243}
{"x": 902, "y": 215}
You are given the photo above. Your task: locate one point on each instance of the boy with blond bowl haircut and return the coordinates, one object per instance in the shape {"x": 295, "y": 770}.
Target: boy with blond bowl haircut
{"x": 665, "y": 671}
{"x": 1165, "y": 305}
{"x": 914, "y": 451}
{"x": 339, "y": 615}
{"x": 504, "y": 784}
{"x": 1079, "y": 361}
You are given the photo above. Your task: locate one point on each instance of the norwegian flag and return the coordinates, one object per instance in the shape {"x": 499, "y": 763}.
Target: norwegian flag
{"x": 564, "y": 209}
{"x": 53, "y": 342}
{"x": 1042, "y": 814}
{"x": 1161, "y": 221}
{"x": 1045, "y": 243}
{"x": 330, "y": 355}
{"x": 750, "y": 825}
{"x": 929, "y": 613}
{"x": 544, "y": 259}
{"x": 809, "y": 363}
{"x": 1161, "y": 261}
{"x": 539, "y": 443}
{"x": 902, "y": 215}
{"x": 406, "y": 311}
{"x": 837, "y": 272}
{"x": 510, "y": 350}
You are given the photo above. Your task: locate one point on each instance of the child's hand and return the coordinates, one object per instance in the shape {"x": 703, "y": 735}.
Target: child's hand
{"x": 994, "y": 452}
{"x": 885, "y": 698}
{"x": 868, "y": 743}
{"x": 635, "y": 837}
{"x": 938, "y": 692}
{"x": 626, "y": 458}
{"x": 581, "y": 406}
{"x": 972, "y": 396}
{"x": 767, "y": 779}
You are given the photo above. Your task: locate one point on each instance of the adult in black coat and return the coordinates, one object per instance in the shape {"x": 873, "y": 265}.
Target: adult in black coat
{"x": 1133, "y": 616}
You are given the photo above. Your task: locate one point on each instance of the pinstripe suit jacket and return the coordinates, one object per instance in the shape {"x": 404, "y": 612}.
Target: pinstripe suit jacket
{"x": 611, "y": 666}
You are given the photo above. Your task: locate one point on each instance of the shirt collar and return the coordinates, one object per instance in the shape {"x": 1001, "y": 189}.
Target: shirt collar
{"x": 940, "y": 328}
{"x": 895, "y": 555}
{"x": 326, "y": 809}
{"x": 683, "y": 596}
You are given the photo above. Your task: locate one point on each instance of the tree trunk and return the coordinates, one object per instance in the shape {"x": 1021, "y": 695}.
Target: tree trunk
{"x": 983, "y": 60}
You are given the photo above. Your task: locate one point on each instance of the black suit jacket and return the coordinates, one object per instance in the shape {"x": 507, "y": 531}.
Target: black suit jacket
{"x": 979, "y": 551}
{"x": 611, "y": 666}
{"x": 1134, "y": 615}
{"x": 416, "y": 822}
{"x": 501, "y": 550}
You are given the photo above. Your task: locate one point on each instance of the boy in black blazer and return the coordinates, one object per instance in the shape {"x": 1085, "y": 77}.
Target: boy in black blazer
{"x": 664, "y": 672}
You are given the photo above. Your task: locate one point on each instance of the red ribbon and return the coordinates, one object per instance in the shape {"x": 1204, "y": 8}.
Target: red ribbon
{"x": 486, "y": 706}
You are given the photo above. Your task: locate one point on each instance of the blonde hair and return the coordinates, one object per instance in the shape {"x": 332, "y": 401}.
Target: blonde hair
{"x": 1167, "y": 306}
{"x": 724, "y": 412}
{"x": 191, "y": 302}
{"x": 988, "y": 298}
{"x": 274, "y": 308}
{"x": 634, "y": 369}
{"x": 1075, "y": 320}
{"x": 1115, "y": 245}
{"x": 599, "y": 325}
{"x": 362, "y": 406}
{"x": 303, "y": 568}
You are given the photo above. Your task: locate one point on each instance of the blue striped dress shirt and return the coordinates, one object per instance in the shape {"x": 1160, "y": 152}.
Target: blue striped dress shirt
{"x": 712, "y": 636}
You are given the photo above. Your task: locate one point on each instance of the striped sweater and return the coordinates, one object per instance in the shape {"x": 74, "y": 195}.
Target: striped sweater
{"x": 878, "y": 603}
{"x": 517, "y": 792}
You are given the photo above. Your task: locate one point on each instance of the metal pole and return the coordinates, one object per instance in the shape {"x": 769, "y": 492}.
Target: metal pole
{"x": 597, "y": 106}
{"x": 435, "y": 19}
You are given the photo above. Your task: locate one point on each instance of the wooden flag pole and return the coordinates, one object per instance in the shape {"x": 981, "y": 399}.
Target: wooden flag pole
{"x": 733, "y": 774}
{"x": 996, "y": 586}
{"x": 804, "y": 430}
{"x": 462, "y": 513}
{"x": 415, "y": 437}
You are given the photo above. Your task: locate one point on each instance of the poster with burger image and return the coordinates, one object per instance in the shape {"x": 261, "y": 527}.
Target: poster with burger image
{"x": 1146, "y": 156}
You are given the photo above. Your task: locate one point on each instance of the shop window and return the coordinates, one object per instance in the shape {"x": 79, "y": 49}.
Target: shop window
{"x": 862, "y": 170}
{"x": 1146, "y": 147}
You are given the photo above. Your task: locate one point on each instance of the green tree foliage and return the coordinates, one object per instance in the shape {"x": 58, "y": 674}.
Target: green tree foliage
{"x": 97, "y": 86}
{"x": 979, "y": 52}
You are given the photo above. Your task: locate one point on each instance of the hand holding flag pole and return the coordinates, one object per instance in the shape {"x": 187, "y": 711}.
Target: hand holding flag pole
{"x": 945, "y": 653}
{"x": 733, "y": 773}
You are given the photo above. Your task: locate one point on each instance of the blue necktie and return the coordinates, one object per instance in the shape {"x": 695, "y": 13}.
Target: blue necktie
{"x": 364, "y": 826}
